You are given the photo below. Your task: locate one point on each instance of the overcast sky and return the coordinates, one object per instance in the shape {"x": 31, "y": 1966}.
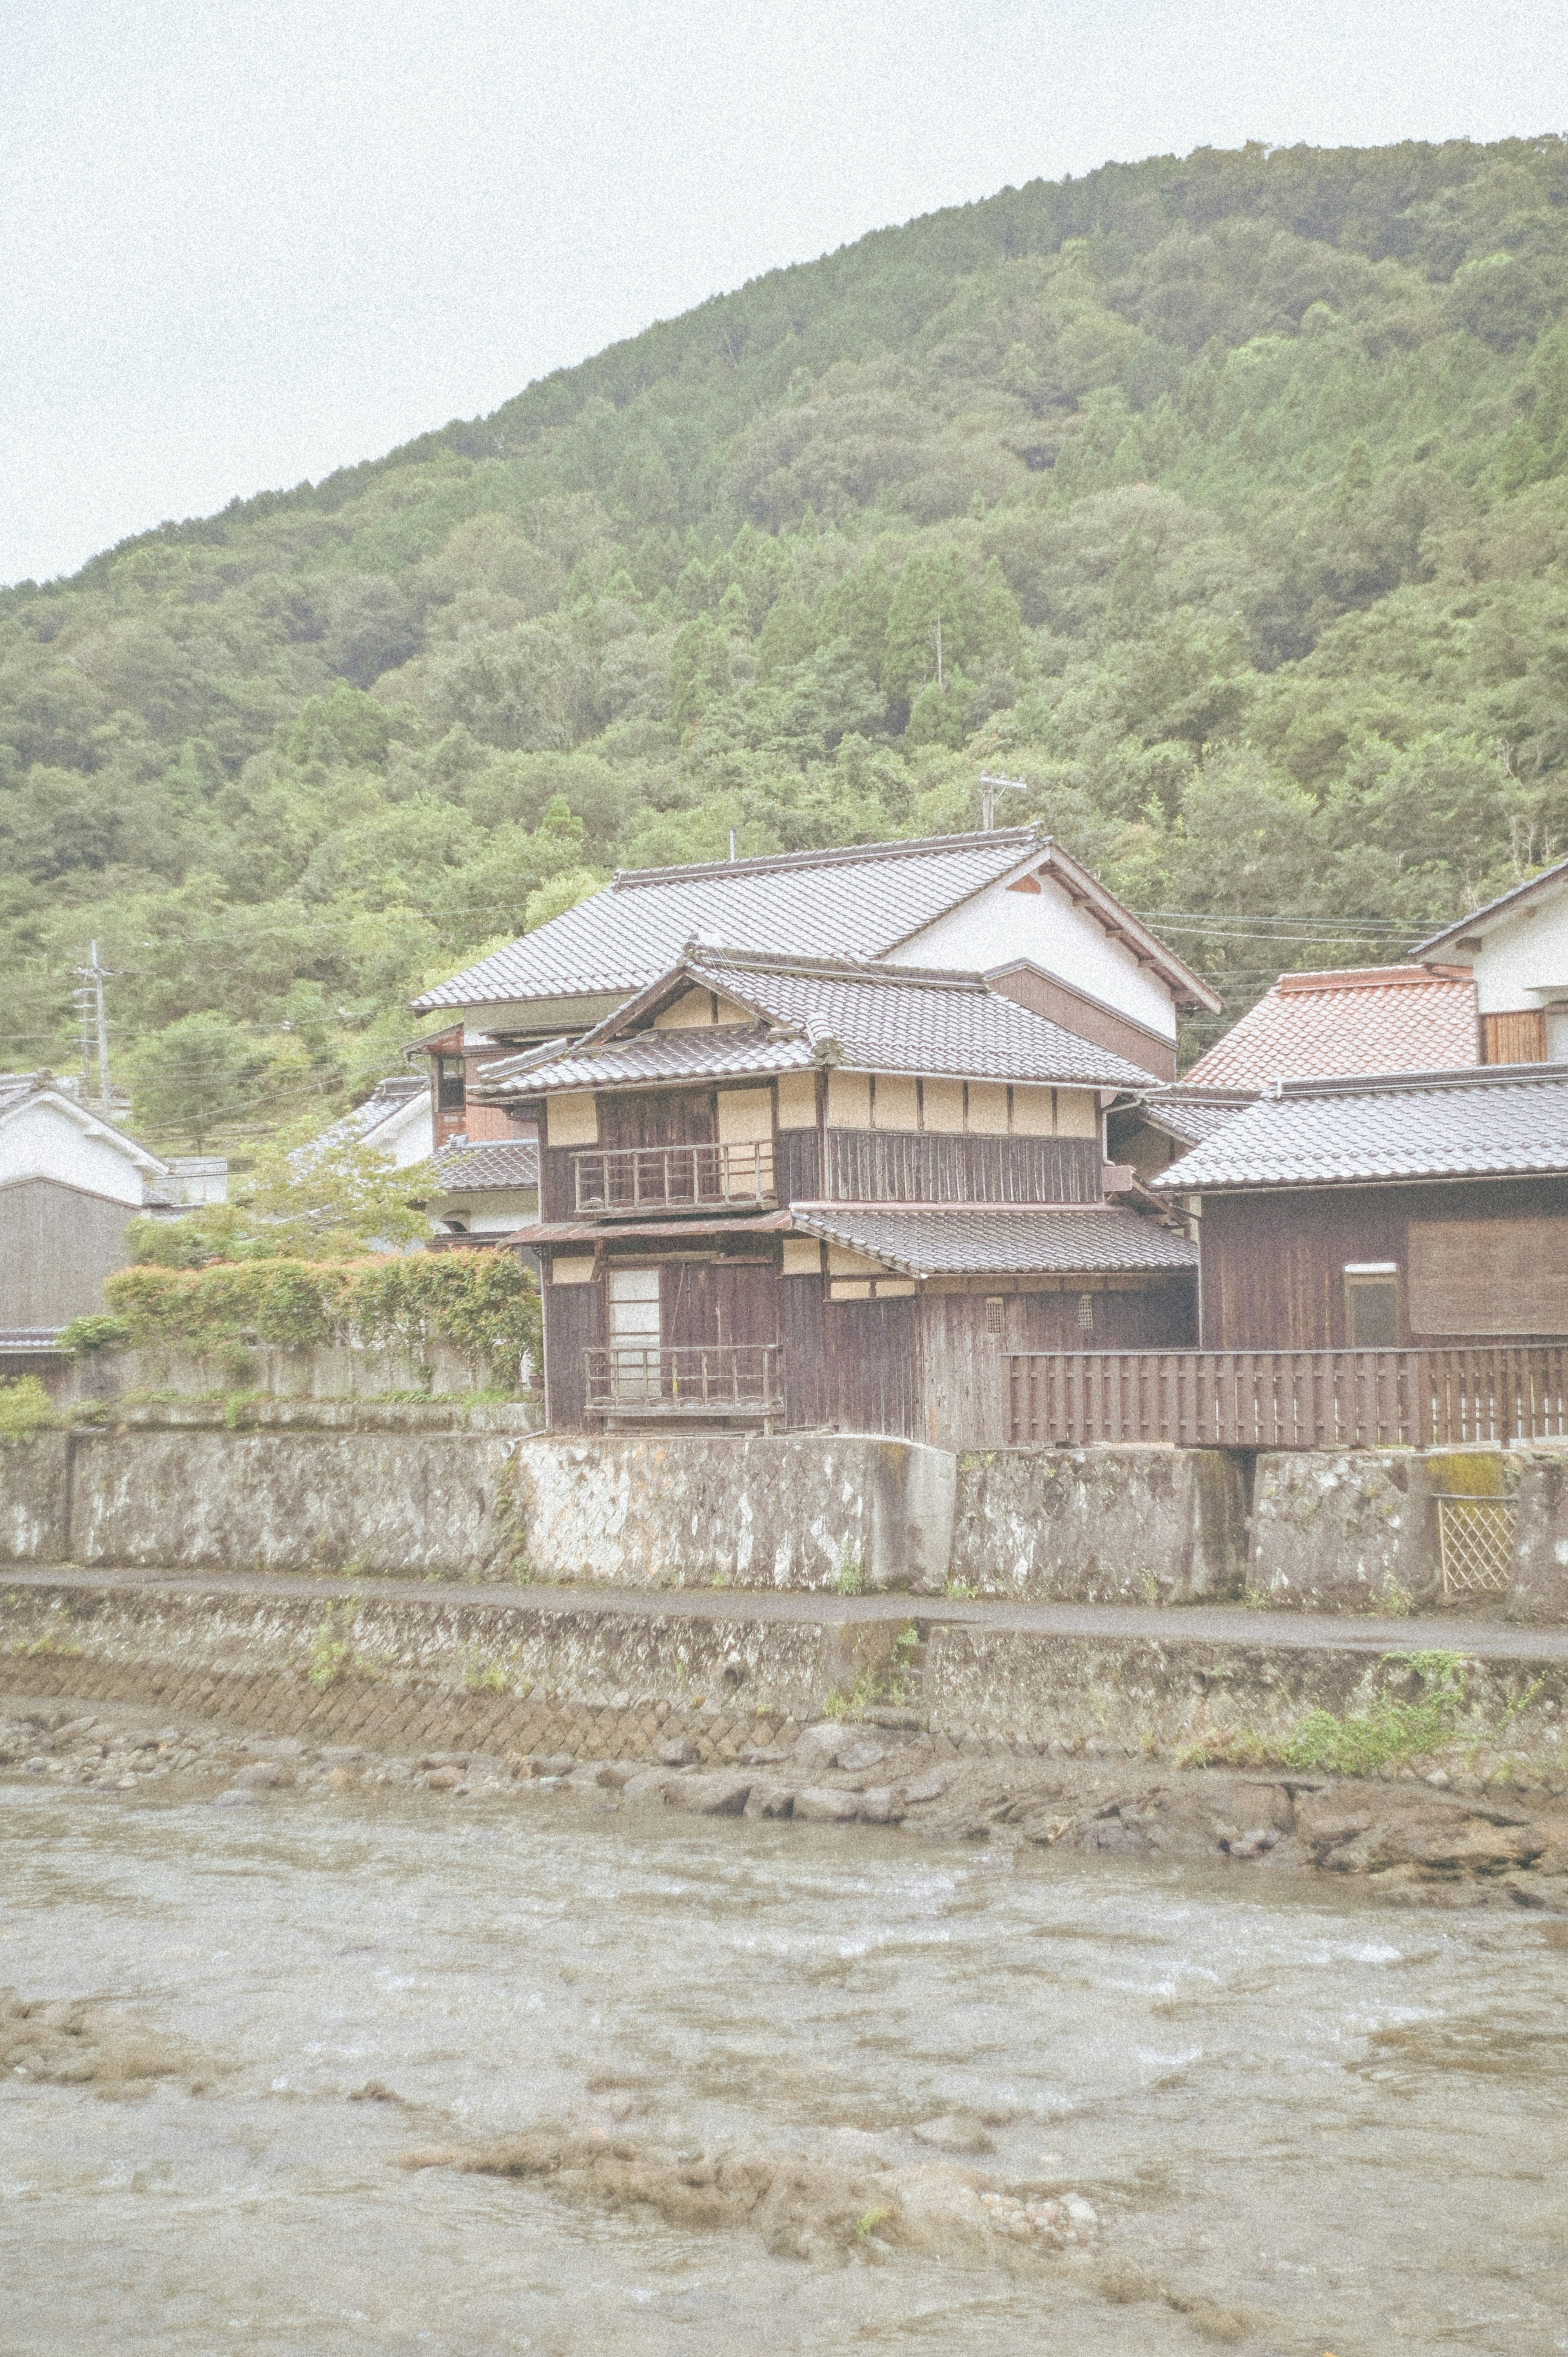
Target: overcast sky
{"x": 249, "y": 240}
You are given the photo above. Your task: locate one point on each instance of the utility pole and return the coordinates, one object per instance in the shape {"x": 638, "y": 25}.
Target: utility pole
{"x": 95, "y": 1023}
{"x": 990, "y": 788}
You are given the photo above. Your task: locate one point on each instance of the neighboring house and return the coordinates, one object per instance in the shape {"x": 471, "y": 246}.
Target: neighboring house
{"x": 69, "y": 1180}
{"x": 1381, "y": 1018}
{"x": 484, "y": 1194}
{"x": 395, "y": 1119}
{"x": 1422, "y": 1209}
{"x": 1516, "y": 949}
{"x": 1010, "y": 903}
{"x": 823, "y": 1192}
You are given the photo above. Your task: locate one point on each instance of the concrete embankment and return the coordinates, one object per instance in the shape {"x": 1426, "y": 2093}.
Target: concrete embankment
{"x": 469, "y": 1492}
{"x": 589, "y": 1674}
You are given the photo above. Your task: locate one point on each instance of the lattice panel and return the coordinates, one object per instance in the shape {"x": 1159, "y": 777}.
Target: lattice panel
{"x": 1476, "y": 1535}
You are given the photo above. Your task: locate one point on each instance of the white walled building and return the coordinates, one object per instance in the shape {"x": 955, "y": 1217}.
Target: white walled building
{"x": 1517, "y": 949}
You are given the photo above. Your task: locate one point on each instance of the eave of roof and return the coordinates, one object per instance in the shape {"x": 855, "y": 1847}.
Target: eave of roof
{"x": 923, "y": 1241}
{"x": 1505, "y": 1121}
{"x": 1505, "y": 904}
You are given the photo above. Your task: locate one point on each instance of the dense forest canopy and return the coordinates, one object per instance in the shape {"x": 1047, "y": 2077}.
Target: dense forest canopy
{"x": 1223, "y": 500}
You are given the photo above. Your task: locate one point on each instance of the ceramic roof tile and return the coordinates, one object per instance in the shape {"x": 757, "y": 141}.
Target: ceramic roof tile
{"x": 1373, "y": 1019}
{"x": 1490, "y": 1122}
{"x": 982, "y": 1240}
{"x": 502, "y": 1165}
{"x": 860, "y": 902}
{"x": 878, "y": 1018}
{"x": 1191, "y": 1114}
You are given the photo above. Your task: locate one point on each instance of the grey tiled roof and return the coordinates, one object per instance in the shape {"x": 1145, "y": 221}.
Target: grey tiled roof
{"x": 647, "y": 1058}
{"x": 870, "y": 1018}
{"x": 1490, "y": 1122}
{"x": 856, "y": 902}
{"x": 388, "y": 1098}
{"x": 480, "y": 1170}
{"x": 1193, "y": 1115}
{"x": 946, "y": 1241}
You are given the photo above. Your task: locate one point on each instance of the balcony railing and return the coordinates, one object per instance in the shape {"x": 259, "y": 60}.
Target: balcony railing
{"x": 1290, "y": 1399}
{"x": 635, "y": 1179}
{"x": 695, "y": 1379}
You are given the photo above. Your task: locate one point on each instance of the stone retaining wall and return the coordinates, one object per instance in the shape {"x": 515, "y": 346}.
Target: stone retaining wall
{"x": 466, "y": 1493}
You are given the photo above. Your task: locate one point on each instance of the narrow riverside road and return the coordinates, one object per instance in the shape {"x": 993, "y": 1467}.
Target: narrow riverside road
{"x": 1197, "y": 1624}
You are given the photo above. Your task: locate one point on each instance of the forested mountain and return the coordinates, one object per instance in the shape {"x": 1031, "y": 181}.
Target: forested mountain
{"x": 1237, "y": 485}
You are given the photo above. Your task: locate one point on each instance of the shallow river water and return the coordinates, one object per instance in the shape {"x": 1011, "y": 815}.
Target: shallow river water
{"x": 1318, "y": 2124}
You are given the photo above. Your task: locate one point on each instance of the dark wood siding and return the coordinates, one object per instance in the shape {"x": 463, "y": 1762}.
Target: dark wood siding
{"x": 871, "y": 1166}
{"x": 719, "y": 1301}
{"x": 1273, "y": 1265}
{"x": 658, "y": 1118}
{"x": 557, "y": 1191}
{"x": 802, "y": 1302}
{"x": 871, "y": 1366}
{"x": 1086, "y": 1018}
{"x": 964, "y": 1372}
{"x": 574, "y": 1322}
{"x": 798, "y": 1163}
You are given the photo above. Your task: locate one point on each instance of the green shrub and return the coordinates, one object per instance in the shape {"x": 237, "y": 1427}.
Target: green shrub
{"x": 485, "y": 1304}
{"x": 24, "y": 1406}
{"x": 84, "y": 1335}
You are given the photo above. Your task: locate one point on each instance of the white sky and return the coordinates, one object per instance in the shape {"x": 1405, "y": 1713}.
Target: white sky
{"x": 249, "y": 241}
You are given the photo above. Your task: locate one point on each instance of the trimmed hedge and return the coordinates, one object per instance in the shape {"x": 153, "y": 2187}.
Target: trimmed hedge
{"x": 484, "y": 1303}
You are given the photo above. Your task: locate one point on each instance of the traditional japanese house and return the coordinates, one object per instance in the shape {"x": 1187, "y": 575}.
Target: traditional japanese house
{"x": 1010, "y": 902}
{"x": 1411, "y": 1210}
{"x": 810, "y": 1191}
{"x": 1515, "y": 951}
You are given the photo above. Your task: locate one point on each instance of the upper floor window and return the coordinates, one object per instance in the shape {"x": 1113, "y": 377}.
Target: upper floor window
{"x": 451, "y": 1093}
{"x": 1372, "y": 1305}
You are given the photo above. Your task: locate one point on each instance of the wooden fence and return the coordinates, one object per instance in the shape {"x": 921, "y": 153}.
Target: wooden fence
{"x": 1290, "y": 1399}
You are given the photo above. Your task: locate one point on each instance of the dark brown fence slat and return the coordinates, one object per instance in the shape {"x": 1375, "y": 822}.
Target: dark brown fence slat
{"x": 1290, "y": 1399}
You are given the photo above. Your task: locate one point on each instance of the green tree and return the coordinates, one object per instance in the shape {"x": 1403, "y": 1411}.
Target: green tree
{"x": 195, "y": 1077}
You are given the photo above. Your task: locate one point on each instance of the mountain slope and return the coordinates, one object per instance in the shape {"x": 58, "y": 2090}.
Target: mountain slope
{"x": 1235, "y": 485}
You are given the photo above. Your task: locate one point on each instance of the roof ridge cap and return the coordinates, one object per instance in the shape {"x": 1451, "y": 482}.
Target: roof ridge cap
{"x": 779, "y": 862}
{"x": 1463, "y": 1076}
{"x": 851, "y": 968}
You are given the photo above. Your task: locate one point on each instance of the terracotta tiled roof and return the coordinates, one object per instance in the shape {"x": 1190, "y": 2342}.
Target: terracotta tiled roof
{"x": 1490, "y": 1122}
{"x": 952, "y": 1239}
{"x": 1387, "y": 1018}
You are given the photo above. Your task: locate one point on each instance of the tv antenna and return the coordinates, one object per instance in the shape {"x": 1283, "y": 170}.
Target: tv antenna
{"x": 990, "y": 788}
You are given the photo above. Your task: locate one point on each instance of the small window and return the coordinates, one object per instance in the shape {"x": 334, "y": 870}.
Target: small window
{"x": 1372, "y": 1305}
{"x": 995, "y": 1314}
{"x": 1086, "y": 1313}
{"x": 451, "y": 1094}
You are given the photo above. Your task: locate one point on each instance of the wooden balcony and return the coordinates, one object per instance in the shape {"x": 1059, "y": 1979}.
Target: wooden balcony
{"x": 1489, "y": 1392}
{"x": 733, "y": 1380}
{"x": 632, "y": 1182}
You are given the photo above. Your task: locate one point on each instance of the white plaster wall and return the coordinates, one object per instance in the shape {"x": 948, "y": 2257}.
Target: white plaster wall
{"x": 493, "y": 1215}
{"x": 997, "y": 925}
{"x": 40, "y": 1140}
{"x": 1524, "y": 956}
{"x": 409, "y": 1135}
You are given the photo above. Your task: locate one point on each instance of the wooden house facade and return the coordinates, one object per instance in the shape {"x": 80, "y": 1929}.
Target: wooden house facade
{"x": 817, "y": 1193}
{"x": 1399, "y": 1213}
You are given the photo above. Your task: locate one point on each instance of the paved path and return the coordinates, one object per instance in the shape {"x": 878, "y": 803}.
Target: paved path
{"x": 1197, "y": 1624}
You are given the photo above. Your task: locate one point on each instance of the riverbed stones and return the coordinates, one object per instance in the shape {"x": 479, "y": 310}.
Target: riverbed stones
{"x": 717, "y": 1793}
{"x": 680, "y": 1753}
{"x": 826, "y": 1804}
{"x": 953, "y": 2132}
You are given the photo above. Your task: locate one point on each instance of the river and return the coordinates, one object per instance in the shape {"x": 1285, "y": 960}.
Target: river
{"x": 1304, "y": 2124}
